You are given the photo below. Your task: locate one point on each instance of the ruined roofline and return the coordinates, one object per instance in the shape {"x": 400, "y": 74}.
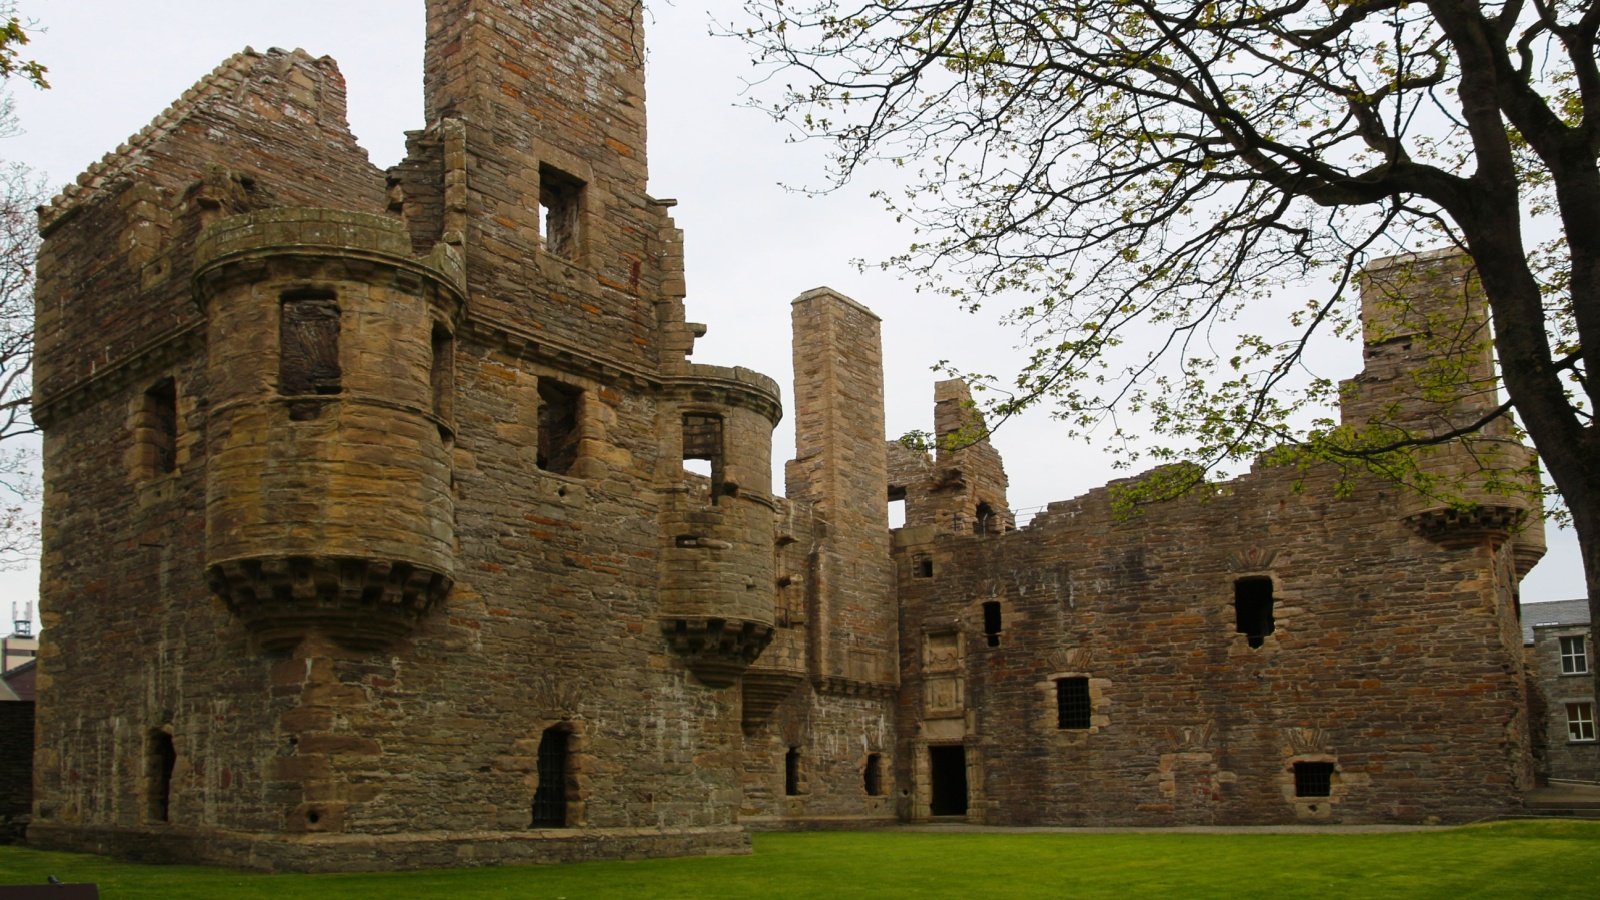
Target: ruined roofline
{"x": 227, "y": 76}
{"x": 820, "y": 293}
{"x": 1395, "y": 260}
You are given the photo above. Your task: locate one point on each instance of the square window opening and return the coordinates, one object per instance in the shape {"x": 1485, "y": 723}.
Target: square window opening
{"x": 922, "y": 566}
{"x": 1313, "y": 779}
{"x": 308, "y": 344}
{"x": 703, "y": 450}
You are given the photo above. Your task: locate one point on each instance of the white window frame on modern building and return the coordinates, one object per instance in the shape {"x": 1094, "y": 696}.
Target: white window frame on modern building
{"x": 1574, "y": 655}
{"x": 1580, "y": 722}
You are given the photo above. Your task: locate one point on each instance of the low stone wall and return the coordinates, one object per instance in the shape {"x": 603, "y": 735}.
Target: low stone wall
{"x": 363, "y": 853}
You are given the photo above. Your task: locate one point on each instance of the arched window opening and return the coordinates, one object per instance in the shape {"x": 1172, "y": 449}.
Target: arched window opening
{"x": 156, "y": 429}
{"x": 550, "y": 799}
{"x": 982, "y": 519}
{"x": 872, "y": 775}
{"x": 791, "y": 772}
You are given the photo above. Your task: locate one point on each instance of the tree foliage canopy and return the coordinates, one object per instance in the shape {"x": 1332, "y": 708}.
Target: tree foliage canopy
{"x": 20, "y": 194}
{"x": 13, "y": 37}
{"x": 1150, "y": 169}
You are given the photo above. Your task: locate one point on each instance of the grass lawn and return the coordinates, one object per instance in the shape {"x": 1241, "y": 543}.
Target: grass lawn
{"x": 1505, "y": 859}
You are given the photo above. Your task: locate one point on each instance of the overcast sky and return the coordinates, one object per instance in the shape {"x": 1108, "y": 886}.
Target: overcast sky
{"x": 752, "y": 246}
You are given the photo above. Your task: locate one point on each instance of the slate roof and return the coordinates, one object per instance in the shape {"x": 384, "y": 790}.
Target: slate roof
{"x": 1558, "y": 612}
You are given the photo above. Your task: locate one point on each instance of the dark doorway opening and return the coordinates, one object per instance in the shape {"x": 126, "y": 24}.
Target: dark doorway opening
{"x": 161, "y": 759}
{"x": 550, "y": 799}
{"x": 948, "y": 768}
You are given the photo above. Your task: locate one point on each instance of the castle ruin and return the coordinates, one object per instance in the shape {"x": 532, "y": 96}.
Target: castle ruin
{"x": 369, "y": 540}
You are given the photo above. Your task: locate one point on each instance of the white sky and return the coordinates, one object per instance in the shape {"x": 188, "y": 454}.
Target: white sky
{"x": 752, "y": 246}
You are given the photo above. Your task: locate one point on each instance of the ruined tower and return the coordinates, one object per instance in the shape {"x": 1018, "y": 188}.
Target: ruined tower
{"x": 433, "y": 425}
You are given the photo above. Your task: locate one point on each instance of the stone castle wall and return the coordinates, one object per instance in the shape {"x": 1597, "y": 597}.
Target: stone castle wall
{"x": 1385, "y": 659}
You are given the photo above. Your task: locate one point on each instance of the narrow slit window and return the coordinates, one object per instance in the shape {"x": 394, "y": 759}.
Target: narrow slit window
{"x": 991, "y": 622}
{"x": 558, "y": 426}
{"x": 1580, "y": 721}
{"x": 872, "y": 775}
{"x": 1313, "y": 779}
{"x": 1574, "y": 656}
{"x": 160, "y": 761}
{"x": 1252, "y": 608}
{"x": 158, "y": 428}
{"x": 791, "y": 772}
{"x": 442, "y": 373}
{"x": 550, "y": 798}
{"x": 308, "y": 344}
{"x": 1072, "y": 703}
{"x": 560, "y": 211}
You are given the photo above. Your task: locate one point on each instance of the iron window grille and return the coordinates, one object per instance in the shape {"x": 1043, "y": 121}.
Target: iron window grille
{"x": 1072, "y": 703}
{"x": 1313, "y": 779}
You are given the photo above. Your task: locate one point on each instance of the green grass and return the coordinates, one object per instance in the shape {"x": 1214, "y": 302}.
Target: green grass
{"x": 1506, "y": 859}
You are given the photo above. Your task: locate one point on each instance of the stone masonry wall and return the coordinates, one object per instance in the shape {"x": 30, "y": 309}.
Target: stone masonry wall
{"x": 1387, "y": 659}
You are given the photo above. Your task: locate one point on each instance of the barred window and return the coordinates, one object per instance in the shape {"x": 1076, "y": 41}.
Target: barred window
{"x": 1313, "y": 779}
{"x": 1072, "y": 703}
{"x": 1574, "y": 656}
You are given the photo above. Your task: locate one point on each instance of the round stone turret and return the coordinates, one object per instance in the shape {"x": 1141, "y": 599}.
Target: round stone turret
{"x": 718, "y": 561}
{"x": 329, "y": 433}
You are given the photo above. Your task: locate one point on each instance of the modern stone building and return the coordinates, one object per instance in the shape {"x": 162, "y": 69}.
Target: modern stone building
{"x": 370, "y": 541}
{"x": 1556, "y": 638}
